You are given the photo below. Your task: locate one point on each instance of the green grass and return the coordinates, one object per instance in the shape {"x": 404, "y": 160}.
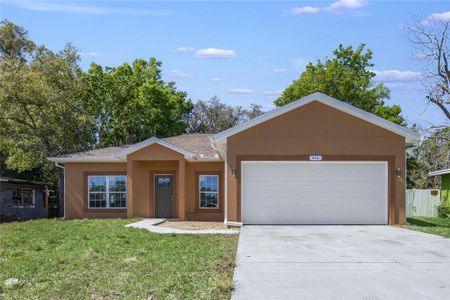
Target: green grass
{"x": 101, "y": 259}
{"x": 430, "y": 225}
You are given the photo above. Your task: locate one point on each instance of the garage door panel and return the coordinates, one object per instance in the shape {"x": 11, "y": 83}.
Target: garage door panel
{"x": 310, "y": 216}
{"x": 314, "y": 192}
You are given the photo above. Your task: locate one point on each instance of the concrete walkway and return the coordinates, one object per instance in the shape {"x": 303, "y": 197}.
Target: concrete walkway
{"x": 341, "y": 262}
{"x": 151, "y": 225}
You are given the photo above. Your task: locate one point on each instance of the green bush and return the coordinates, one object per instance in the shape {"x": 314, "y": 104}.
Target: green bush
{"x": 443, "y": 210}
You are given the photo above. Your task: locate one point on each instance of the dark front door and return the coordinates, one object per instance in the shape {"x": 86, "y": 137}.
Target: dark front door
{"x": 163, "y": 196}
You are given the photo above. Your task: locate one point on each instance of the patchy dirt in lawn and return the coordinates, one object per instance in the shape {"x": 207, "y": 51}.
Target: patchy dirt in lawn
{"x": 194, "y": 225}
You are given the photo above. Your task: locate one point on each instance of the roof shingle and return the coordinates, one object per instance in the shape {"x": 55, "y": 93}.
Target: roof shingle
{"x": 197, "y": 143}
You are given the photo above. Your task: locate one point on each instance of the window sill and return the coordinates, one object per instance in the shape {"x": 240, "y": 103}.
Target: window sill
{"x": 208, "y": 210}
{"x": 107, "y": 208}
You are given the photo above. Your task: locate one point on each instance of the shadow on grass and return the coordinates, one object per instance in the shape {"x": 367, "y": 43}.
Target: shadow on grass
{"x": 420, "y": 223}
{"x": 426, "y": 223}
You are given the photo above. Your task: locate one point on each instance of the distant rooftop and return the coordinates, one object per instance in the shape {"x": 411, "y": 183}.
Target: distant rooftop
{"x": 22, "y": 181}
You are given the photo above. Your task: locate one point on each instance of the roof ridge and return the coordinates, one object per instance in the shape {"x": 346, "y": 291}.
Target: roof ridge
{"x": 187, "y": 134}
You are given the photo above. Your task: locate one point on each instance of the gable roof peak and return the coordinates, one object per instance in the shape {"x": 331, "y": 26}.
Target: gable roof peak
{"x": 150, "y": 141}
{"x": 410, "y": 136}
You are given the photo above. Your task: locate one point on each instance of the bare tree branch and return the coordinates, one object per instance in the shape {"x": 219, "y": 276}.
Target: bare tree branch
{"x": 431, "y": 42}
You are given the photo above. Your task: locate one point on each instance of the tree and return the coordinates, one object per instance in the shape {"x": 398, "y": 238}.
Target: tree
{"x": 215, "y": 116}
{"x": 346, "y": 76}
{"x": 431, "y": 155}
{"x": 14, "y": 42}
{"x": 40, "y": 114}
{"x": 431, "y": 43}
{"x": 130, "y": 103}
{"x": 430, "y": 39}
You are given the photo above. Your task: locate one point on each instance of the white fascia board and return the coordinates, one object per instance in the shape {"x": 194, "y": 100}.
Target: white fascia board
{"x": 153, "y": 140}
{"x": 439, "y": 172}
{"x": 63, "y": 160}
{"x": 410, "y": 136}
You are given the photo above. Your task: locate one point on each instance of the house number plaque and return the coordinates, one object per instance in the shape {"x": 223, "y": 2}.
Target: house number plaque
{"x": 315, "y": 157}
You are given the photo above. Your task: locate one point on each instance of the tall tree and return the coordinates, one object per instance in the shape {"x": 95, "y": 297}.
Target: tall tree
{"x": 213, "y": 116}
{"x": 40, "y": 115}
{"x": 431, "y": 155}
{"x": 14, "y": 42}
{"x": 346, "y": 76}
{"x": 430, "y": 39}
{"x": 130, "y": 103}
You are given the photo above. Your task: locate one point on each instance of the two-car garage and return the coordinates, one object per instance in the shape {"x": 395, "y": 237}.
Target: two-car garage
{"x": 316, "y": 160}
{"x": 314, "y": 192}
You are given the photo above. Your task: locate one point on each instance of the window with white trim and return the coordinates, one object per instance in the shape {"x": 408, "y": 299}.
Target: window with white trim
{"x": 107, "y": 191}
{"x": 209, "y": 191}
{"x": 23, "y": 197}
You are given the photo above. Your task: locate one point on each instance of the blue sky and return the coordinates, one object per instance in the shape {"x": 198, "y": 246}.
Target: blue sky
{"x": 243, "y": 51}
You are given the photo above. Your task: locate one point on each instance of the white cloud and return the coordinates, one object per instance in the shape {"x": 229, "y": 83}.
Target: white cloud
{"x": 437, "y": 17}
{"x": 67, "y": 7}
{"x": 241, "y": 91}
{"x": 279, "y": 70}
{"x": 216, "y": 79}
{"x": 185, "y": 49}
{"x": 404, "y": 85}
{"x": 341, "y": 5}
{"x": 92, "y": 53}
{"x": 273, "y": 93}
{"x": 179, "y": 74}
{"x": 215, "y": 53}
{"x": 336, "y": 7}
{"x": 396, "y": 75}
{"x": 304, "y": 10}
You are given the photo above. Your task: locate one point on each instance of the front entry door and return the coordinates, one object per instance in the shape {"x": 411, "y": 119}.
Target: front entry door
{"x": 163, "y": 196}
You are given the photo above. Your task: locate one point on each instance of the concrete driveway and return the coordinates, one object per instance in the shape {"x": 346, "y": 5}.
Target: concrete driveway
{"x": 341, "y": 262}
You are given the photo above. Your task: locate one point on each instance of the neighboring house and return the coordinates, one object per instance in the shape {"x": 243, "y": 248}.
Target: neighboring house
{"x": 314, "y": 161}
{"x": 445, "y": 184}
{"x": 23, "y": 199}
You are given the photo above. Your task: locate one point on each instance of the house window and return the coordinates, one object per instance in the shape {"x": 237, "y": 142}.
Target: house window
{"x": 107, "y": 191}
{"x": 209, "y": 191}
{"x": 23, "y": 198}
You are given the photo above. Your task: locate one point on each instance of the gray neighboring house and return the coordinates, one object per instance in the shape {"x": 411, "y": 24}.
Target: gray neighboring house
{"x": 23, "y": 199}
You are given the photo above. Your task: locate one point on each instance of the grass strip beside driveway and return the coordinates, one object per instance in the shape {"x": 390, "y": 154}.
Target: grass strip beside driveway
{"x": 437, "y": 226}
{"x": 81, "y": 259}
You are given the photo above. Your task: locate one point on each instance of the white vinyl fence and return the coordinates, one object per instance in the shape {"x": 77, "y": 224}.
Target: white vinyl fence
{"x": 422, "y": 203}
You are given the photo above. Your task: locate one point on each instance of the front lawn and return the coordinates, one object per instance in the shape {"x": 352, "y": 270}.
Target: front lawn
{"x": 430, "y": 225}
{"x": 101, "y": 259}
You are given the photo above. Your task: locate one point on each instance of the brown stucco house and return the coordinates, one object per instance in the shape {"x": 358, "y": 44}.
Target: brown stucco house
{"x": 314, "y": 161}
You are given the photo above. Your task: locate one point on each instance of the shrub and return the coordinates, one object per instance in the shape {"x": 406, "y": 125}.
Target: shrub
{"x": 443, "y": 210}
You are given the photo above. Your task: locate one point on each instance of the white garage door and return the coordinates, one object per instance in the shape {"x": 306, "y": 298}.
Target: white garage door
{"x": 275, "y": 192}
